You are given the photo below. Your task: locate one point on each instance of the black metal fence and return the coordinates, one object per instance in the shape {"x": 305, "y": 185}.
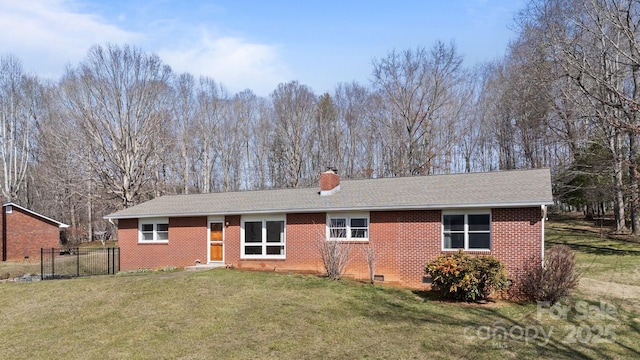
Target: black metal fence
{"x": 62, "y": 263}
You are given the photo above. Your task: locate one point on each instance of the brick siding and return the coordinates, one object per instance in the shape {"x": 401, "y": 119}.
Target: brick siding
{"x": 301, "y": 232}
{"x": 516, "y": 236}
{"x": 187, "y": 243}
{"x": 404, "y": 242}
{"x": 27, "y": 234}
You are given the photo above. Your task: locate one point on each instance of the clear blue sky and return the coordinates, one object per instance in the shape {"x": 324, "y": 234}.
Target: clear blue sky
{"x": 254, "y": 44}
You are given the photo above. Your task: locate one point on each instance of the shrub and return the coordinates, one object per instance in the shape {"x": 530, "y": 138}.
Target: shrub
{"x": 334, "y": 255}
{"x": 461, "y": 276}
{"x": 369, "y": 253}
{"x": 555, "y": 280}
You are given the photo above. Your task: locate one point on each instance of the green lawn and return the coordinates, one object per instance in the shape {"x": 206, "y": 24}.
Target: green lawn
{"x": 610, "y": 268}
{"x": 234, "y": 314}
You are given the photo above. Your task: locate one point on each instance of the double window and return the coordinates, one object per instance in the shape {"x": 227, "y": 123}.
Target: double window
{"x": 263, "y": 237}
{"x": 466, "y": 231}
{"x": 153, "y": 230}
{"x": 348, "y": 227}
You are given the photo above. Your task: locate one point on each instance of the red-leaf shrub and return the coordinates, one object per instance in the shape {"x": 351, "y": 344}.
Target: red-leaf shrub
{"x": 461, "y": 276}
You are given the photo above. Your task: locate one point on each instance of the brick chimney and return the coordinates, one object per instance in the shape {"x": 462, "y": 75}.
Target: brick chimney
{"x": 329, "y": 182}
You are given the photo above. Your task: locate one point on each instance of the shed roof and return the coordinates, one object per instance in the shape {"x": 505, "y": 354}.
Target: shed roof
{"x": 516, "y": 188}
{"x": 60, "y": 225}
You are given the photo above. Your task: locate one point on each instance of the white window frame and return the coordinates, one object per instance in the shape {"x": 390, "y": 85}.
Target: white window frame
{"x": 466, "y": 214}
{"x": 155, "y": 222}
{"x": 264, "y": 243}
{"x": 348, "y": 216}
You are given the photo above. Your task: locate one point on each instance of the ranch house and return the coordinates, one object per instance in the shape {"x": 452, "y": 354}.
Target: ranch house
{"x": 407, "y": 220}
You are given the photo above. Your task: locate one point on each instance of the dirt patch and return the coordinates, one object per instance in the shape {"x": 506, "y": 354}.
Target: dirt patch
{"x": 623, "y": 291}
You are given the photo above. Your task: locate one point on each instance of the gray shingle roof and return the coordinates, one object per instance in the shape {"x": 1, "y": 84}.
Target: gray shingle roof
{"x": 516, "y": 188}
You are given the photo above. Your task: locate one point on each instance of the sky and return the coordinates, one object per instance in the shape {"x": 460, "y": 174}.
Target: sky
{"x": 255, "y": 45}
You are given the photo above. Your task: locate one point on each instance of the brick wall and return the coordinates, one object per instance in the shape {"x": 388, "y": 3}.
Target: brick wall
{"x": 187, "y": 243}
{"x": 27, "y": 234}
{"x": 301, "y": 232}
{"x": 232, "y": 239}
{"x": 404, "y": 242}
{"x": 516, "y": 236}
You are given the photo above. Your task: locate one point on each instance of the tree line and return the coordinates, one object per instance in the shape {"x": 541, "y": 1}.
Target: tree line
{"x": 121, "y": 127}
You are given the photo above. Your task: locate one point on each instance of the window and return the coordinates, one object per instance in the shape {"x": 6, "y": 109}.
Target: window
{"x": 466, "y": 231}
{"x": 154, "y": 230}
{"x": 354, "y": 227}
{"x": 263, "y": 237}
{"x": 8, "y": 209}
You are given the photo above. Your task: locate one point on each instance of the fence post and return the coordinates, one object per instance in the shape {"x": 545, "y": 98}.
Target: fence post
{"x": 53, "y": 263}
{"x": 91, "y": 266}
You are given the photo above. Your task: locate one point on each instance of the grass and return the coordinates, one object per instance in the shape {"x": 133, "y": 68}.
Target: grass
{"x": 237, "y": 315}
{"x": 17, "y": 269}
{"x": 610, "y": 267}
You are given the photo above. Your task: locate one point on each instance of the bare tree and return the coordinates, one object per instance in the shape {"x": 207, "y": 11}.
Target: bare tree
{"x": 19, "y": 110}
{"x": 261, "y": 159}
{"x": 335, "y": 256}
{"x": 211, "y": 97}
{"x": 357, "y": 134}
{"x": 294, "y": 109}
{"x": 240, "y": 114}
{"x": 369, "y": 253}
{"x": 595, "y": 43}
{"x": 328, "y": 135}
{"x": 415, "y": 87}
{"x": 118, "y": 100}
{"x": 61, "y": 183}
{"x": 472, "y": 127}
{"x": 184, "y": 113}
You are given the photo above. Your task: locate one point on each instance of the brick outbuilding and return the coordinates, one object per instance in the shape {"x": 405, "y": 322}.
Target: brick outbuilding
{"x": 25, "y": 232}
{"x": 407, "y": 221}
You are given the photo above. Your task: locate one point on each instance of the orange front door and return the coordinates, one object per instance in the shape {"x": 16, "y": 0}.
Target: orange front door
{"x": 215, "y": 241}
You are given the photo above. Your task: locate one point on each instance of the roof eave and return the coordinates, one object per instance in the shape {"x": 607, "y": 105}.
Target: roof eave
{"x": 60, "y": 225}
{"x": 328, "y": 209}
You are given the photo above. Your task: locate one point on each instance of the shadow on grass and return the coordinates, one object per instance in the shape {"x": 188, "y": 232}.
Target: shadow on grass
{"x": 600, "y": 323}
{"x": 493, "y": 325}
{"x": 588, "y": 244}
{"x": 592, "y": 249}
{"x": 562, "y": 342}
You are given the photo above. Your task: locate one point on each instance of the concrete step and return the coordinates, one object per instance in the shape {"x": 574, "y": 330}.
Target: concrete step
{"x": 204, "y": 267}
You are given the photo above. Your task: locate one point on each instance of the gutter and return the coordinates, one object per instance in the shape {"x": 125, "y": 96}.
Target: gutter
{"x": 330, "y": 209}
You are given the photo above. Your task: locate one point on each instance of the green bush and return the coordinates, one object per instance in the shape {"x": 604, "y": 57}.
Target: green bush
{"x": 461, "y": 276}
